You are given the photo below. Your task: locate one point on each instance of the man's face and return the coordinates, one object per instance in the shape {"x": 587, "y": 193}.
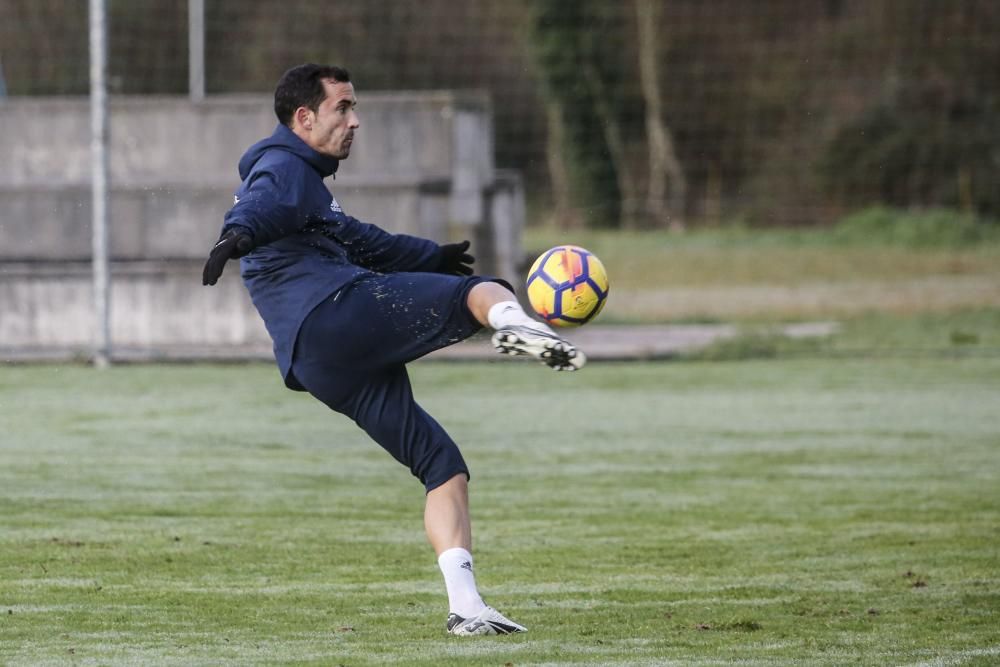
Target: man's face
{"x": 330, "y": 129}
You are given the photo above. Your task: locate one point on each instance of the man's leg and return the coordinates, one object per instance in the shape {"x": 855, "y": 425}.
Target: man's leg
{"x": 495, "y": 306}
{"x": 384, "y": 407}
{"x": 449, "y": 530}
{"x": 446, "y": 516}
{"x": 380, "y": 400}
{"x": 446, "y": 519}
{"x": 484, "y": 296}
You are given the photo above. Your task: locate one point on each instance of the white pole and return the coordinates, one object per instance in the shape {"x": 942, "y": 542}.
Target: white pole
{"x": 196, "y": 50}
{"x": 99, "y": 180}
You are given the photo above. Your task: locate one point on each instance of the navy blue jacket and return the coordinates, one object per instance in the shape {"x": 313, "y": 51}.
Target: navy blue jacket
{"x": 305, "y": 246}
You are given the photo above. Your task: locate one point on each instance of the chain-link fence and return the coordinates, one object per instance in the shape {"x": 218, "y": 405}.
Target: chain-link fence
{"x": 632, "y": 113}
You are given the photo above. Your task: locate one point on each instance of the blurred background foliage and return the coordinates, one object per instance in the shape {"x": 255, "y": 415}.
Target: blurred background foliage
{"x": 633, "y": 114}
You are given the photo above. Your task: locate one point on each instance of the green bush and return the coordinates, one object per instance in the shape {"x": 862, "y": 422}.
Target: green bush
{"x": 930, "y": 140}
{"x": 915, "y": 229}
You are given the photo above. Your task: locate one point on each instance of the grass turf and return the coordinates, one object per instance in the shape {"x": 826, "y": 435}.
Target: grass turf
{"x": 731, "y": 275}
{"x": 810, "y": 511}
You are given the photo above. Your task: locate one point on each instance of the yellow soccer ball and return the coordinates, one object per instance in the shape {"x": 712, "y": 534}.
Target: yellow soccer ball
{"x": 567, "y": 286}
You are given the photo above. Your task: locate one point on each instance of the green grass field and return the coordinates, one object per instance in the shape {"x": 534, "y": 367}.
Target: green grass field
{"x": 765, "y": 502}
{"x": 818, "y": 511}
{"x": 734, "y": 275}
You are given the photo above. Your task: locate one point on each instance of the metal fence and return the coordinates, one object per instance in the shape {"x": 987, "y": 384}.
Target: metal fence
{"x": 640, "y": 112}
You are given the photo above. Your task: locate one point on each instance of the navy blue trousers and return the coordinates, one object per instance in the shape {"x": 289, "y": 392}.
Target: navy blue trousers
{"x": 352, "y": 350}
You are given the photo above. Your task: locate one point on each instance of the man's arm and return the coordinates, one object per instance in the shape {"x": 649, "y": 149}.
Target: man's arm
{"x": 374, "y": 248}
{"x": 269, "y": 207}
{"x": 264, "y": 212}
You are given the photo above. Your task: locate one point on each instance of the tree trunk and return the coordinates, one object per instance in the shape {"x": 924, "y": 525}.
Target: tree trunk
{"x": 664, "y": 167}
{"x": 616, "y": 147}
{"x": 566, "y": 215}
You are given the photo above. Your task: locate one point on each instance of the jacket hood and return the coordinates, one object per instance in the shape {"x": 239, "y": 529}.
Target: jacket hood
{"x": 284, "y": 139}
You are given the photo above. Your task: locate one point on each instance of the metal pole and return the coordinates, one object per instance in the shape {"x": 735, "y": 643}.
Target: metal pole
{"x": 99, "y": 180}
{"x": 196, "y": 50}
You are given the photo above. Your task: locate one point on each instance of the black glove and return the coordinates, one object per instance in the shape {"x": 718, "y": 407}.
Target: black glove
{"x": 231, "y": 245}
{"x": 455, "y": 260}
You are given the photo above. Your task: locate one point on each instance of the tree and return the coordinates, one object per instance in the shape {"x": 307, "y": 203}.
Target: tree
{"x": 664, "y": 168}
{"x": 578, "y": 146}
{"x": 931, "y": 138}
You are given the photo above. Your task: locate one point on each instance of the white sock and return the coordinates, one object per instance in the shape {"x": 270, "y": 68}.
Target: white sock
{"x": 510, "y": 313}
{"x": 463, "y": 598}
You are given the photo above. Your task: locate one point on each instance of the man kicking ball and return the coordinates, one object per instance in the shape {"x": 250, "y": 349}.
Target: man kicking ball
{"x": 348, "y": 305}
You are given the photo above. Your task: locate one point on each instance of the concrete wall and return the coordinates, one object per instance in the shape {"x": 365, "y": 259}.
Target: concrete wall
{"x": 422, "y": 164}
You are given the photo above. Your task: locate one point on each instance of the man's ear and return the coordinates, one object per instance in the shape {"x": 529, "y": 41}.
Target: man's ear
{"x": 304, "y": 118}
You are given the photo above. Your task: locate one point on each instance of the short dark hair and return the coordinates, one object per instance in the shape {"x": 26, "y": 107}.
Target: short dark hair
{"x": 302, "y": 86}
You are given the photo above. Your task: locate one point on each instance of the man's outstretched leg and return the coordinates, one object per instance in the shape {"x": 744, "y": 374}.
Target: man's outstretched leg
{"x": 364, "y": 377}
{"x": 446, "y": 519}
{"x": 517, "y": 333}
